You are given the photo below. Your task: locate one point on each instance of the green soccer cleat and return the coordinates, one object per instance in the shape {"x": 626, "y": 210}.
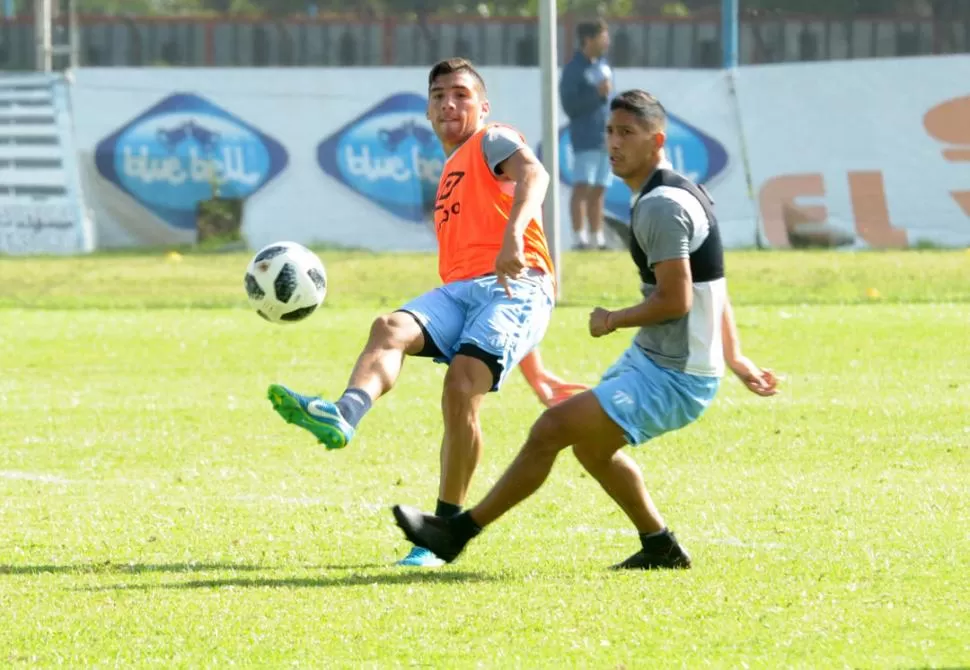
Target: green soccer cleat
{"x": 319, "y": 416}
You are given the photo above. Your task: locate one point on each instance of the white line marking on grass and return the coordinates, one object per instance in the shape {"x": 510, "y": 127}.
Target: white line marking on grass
{"x": 33, "y": 477}
{"x": 736, "y": 542}
{"x": 726, "y": 541}
{"x": 601, "y": 531}
{"x": 284, "y": 500}
{"x": 311, "y": 501}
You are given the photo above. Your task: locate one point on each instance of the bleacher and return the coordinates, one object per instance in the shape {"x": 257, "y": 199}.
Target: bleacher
{"x": 41, "y": 204}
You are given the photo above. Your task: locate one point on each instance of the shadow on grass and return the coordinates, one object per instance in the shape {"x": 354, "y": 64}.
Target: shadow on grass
{"x": 398, "y": 576}
{"x": 139, "y": 568}
{"x": 394, "y": 575}
{"x": 125, "y": 568}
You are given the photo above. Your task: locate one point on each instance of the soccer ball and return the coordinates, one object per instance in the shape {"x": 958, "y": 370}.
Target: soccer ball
{"x": 285, "y": 282}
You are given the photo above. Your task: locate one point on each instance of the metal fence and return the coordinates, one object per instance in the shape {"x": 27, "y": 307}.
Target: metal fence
{"x": 636, "y": 41}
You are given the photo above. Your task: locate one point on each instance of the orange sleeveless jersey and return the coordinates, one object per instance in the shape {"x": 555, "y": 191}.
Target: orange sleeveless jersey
{"x": 471, "y": 214}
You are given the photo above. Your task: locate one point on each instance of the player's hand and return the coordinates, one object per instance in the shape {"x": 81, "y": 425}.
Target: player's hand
{"x": 510, "y": 263}
{"x": 551, "y": 390}
{"x": 599, "y": 322}
{"x": 604, "y": 88}
{"x": 758, "y": 380}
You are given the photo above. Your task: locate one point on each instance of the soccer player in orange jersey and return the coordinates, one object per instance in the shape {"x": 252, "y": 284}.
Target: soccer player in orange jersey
{"x": 492, "y": 308}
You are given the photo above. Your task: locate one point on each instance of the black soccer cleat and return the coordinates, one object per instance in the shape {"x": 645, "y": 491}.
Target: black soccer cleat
{"x": 429, "y": 531}
{"x": 673, "y": 558}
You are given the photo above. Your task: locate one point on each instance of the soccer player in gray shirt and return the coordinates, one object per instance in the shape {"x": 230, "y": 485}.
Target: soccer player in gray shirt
{"x": 669, "y": 375}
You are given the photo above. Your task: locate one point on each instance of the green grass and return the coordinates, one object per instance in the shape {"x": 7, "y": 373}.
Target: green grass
{"x": 363, "y": 279}
{"x": 154, "y": 511}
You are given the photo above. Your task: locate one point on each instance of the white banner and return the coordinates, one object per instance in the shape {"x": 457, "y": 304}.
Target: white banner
{"x": 335, "y": 156}
{"x": 345, "y": 156}
{"x": 34, "y": 228}
{"x": 870, "y": 153}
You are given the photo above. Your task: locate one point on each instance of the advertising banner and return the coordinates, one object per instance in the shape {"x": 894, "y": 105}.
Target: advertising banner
{"x": 813, "y": 154}
{"x": 872, "y": 153}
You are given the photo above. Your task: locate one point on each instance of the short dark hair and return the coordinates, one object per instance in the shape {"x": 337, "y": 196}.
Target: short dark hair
{"x": 643, "y": 105}
{"x": 453, "y": 65}
{"x": 588, "y": 30}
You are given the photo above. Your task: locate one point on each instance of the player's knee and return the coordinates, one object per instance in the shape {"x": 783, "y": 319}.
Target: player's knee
{"x": 395, "y": 330}
{"x": 548, "y": 431}
{"x": 591, "y": 457}
{"x": 464, "y": 384}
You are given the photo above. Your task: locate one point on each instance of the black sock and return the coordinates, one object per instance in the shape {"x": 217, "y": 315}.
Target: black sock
{"x": 445, "y": 509}
{"x": 353, "y": 405}
{"x": 658, "y": 542}
{"x": 464, "y": 525}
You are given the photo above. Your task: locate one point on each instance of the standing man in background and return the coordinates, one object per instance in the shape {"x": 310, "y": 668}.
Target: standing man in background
{"x": 585, "y": 87}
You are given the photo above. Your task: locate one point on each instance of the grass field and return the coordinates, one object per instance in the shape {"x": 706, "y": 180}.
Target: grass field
{"x": 155, "y": 512}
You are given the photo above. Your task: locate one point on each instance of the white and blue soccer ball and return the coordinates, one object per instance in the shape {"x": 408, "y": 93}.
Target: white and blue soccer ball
{"x": 285, "y": 282}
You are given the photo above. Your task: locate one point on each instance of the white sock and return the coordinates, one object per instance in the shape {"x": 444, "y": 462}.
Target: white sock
{"x": 600, "y": 238}
{"x": 580, "y": 236}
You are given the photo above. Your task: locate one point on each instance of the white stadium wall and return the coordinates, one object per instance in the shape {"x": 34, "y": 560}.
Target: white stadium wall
{"x": 878, "y": 150}
{"x": 853, "y": 153}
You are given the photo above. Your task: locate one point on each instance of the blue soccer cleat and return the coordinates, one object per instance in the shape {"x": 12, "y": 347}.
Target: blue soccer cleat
{"x": 319, "y": 416}
{"x": 421, "y": 558}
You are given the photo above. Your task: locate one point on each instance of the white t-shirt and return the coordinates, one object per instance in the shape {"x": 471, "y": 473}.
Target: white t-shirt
{"x": 598, "y": 71}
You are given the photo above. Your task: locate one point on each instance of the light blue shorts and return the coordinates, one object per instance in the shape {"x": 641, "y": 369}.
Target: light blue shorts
{"x": 646, "y": 400}
{"x": 592, "y": 167}
{"x": 477, "y": 312}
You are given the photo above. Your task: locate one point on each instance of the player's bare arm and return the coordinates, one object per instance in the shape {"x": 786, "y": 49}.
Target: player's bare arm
{"x": 671, "y": 300}
{"x": 757, "y": 380}
{"x": 549, "y": 388}
{"x": 531, "y": 181}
